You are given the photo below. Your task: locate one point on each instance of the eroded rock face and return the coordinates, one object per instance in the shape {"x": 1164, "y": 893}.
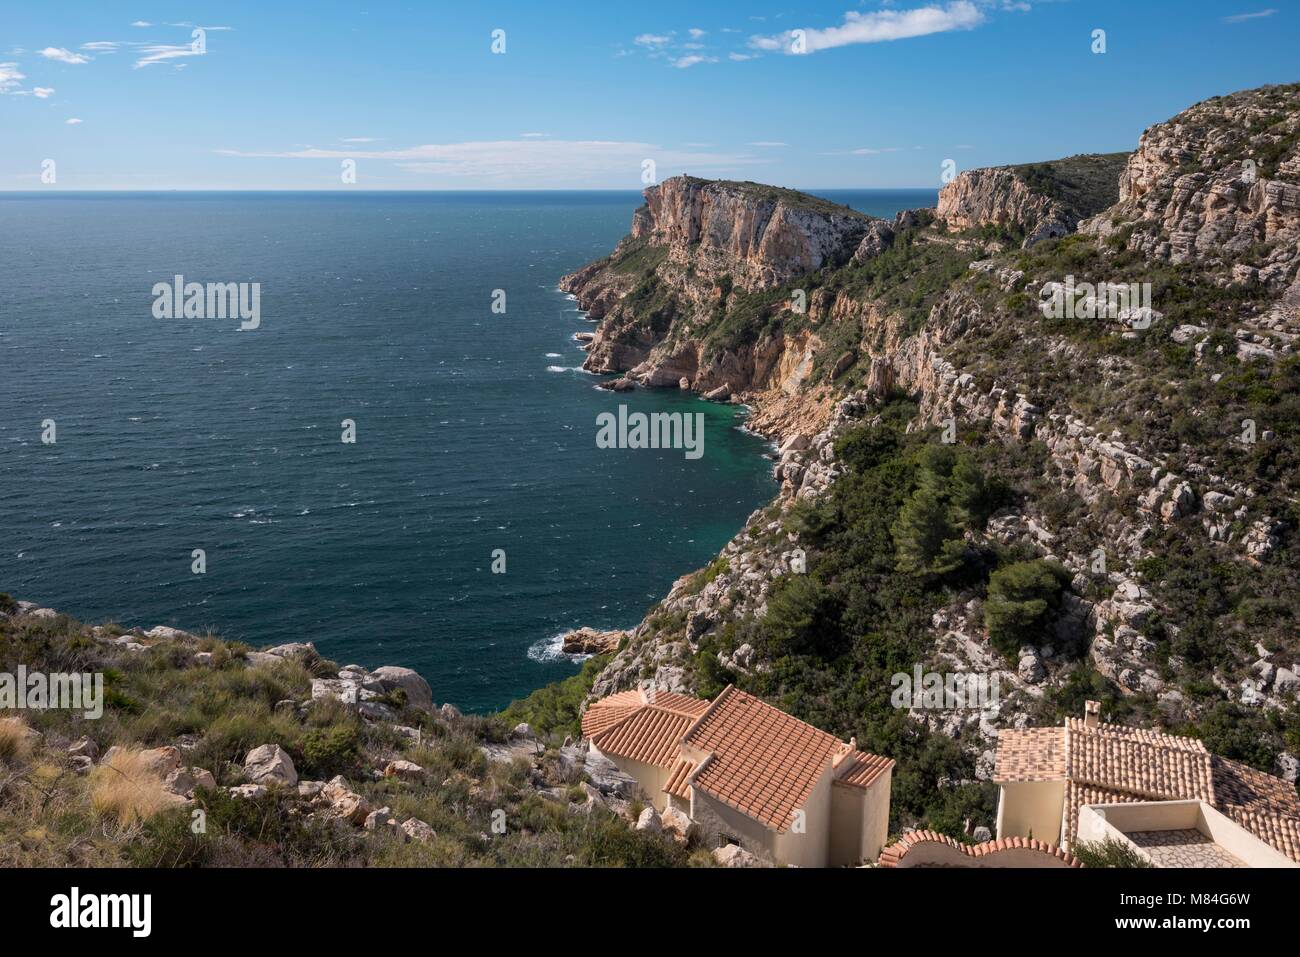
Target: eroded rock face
{"x": 999, "y": 197}
{"x": 1218, "y": 185}
{"x": 698, "y": 243}
{"x": 758, "y": 236}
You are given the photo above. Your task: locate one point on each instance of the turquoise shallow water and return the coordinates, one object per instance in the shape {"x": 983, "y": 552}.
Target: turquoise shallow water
{"x": 475, "y": 431}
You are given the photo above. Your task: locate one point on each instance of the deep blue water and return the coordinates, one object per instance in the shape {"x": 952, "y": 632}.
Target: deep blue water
{"x": 475, "y": 431}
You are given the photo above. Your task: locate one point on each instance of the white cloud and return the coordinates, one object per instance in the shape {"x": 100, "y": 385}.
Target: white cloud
{"x": 682, "y": 62}
{"x": 653, "y": 40}
{"x": 533, "y": 136}
{"x": 102, "y": 46}
{"x": 73, "y": 121}
{"x": 358, "y": 139}
{"x": 43, "y": 92}
{"x": 142, "y": 23}
{"x": 10, "y": 77}
{"x": 1241, "y": 17}
{"x": 63, "y": 56}
{"x": 529, "y": 163}
{"x": 879, "y": 26}
{"x": 156, "y": 53}
{"x": 768, "y": 144}
{"x": 741, "y": 57}
{"x": 696, "y": 33}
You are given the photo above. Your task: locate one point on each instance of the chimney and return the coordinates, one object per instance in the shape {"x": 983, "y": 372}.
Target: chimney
{"x": 1091, "y": 714}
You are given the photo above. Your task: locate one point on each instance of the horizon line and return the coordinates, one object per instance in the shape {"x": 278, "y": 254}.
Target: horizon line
{"x": 484, "y": 189}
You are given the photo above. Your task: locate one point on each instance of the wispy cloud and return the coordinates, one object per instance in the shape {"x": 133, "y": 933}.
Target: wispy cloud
{"x": 11, "y": 78}
{"x": 527, "y": 163}
{"x": 63, "y": 56}
{"x": 358, "y": 139}
{"x": 768, "y": 144}
{"x": 879, "y": 26}
{"x": 1242, "y": 17}
{"x": 156, "y": 53}
{"x": 43, "y": 92}
{"x": 653, "y": 40}
{"x": 73, "y": 121}
{"x": 682, "y": 62}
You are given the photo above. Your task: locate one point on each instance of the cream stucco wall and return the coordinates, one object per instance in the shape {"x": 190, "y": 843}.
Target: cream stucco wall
{"x": 1031, "y": 809}
{"x": 859, "y": 822}
{"x": 811, "y": 848}
{"x": 650, "y": 777}
{"x": 726, "y": 822}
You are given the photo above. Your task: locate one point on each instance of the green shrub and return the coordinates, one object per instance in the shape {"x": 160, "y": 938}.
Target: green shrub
{"x": 1022, "y": 600}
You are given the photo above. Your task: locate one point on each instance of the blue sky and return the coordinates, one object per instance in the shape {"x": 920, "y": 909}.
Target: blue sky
{"x": 881, "y": 94}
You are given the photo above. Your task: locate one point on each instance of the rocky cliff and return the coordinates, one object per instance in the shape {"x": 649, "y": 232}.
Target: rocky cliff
{"x": 1037, "y": 201}
{"x": 1146, "y": 448}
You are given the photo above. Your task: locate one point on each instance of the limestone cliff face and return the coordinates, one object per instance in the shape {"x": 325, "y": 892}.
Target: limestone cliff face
{"x": 694, "y": 246}
{"x": 758, "y": 236}
{"x": 1039, "y": 200}
{"x": 999, "y": 197}
{"x": 1219, "y": 185}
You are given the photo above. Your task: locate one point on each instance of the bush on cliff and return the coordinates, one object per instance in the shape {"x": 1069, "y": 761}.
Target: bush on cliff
{"x": 1022, "y": 600}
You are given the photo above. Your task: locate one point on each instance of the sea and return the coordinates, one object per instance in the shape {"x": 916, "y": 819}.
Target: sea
{"x": 395, "y": 458}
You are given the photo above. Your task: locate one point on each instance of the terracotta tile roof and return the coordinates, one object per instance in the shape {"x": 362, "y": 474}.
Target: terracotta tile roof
{"x": 652, "y": 735}
{"x": 893, "y": 855}
{"x": 678, "y": 785}
{"x": 757, "y": 759}
{"x": 1265, "y": 805}
{"x": 765, "y": 762}
{"x": 1077, "y": 795}
{"x": 860, "y": 770}
{"x": 1133, "y": 760}
{"x": 1032, "y": 754}
{"x": 1113, "y": 764}
{"x": 610, "y": 711}
{"x": 682, "y": 703}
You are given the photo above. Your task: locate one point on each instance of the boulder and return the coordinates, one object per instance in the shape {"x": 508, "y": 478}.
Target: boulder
{"x": 676, "y": 824}
{"x": 383, "y": 817}
{"x": 589, "y": 641}
{"x": 733, "y": 855}
{"x": 649, "y": 821}
{"x": 606, "y": 776}
{"x": 418, "y": 830}
{"x": 403, "y": 769}
{"x": 418, "y": 693}
{"x": 293, "y": 650}
{"x": 344, "y": 802}
{"x": 1285, "y": 681}
{"x": 164, "y": 633}
{"x": 184, "y": 781}
{"x": 270, "y": 764}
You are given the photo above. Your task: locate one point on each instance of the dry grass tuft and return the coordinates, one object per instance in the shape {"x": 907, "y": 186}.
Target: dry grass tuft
{"x": 15, "y": 740}
{"x": 126, "y": 789}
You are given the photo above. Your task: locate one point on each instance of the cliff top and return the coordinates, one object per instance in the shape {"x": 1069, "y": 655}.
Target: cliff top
{"x": 763, "y": 193}
{"x": 1086, "y": 183}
